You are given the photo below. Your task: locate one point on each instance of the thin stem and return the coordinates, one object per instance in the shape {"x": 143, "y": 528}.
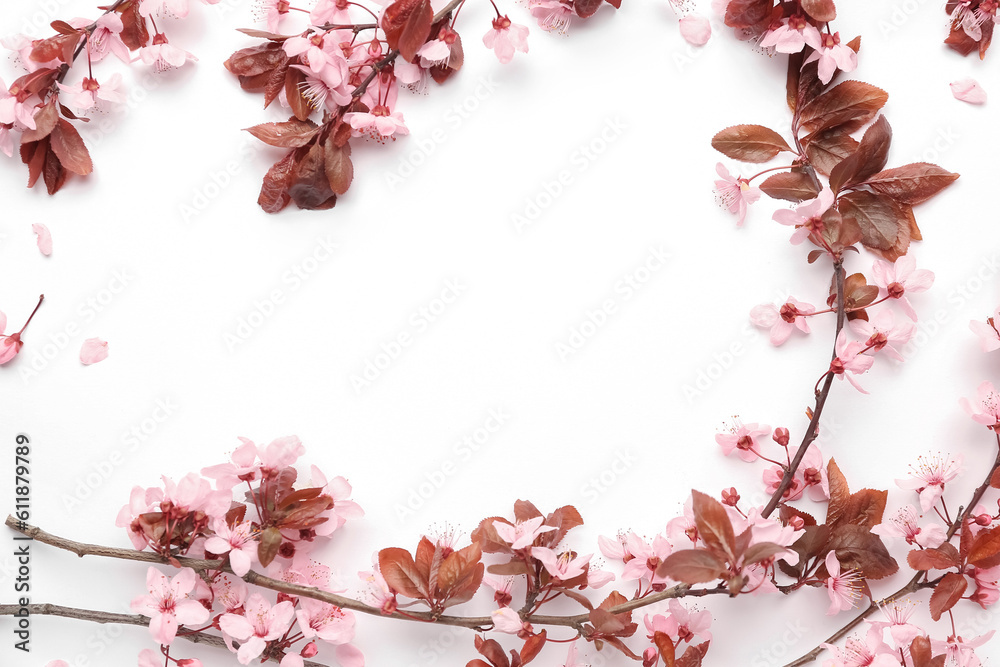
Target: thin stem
{"x": 479, "y": 623}
{"x": 813, "y": 430}
{"x": 121, "y": 619}
{"x": 32, "y": 316}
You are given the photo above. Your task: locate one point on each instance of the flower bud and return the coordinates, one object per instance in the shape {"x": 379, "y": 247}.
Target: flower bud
{"x": 309, "y": 650}
{"x": 730, "y": 497}
{"x": 984, "y": 519}
{"x": 781, "y": 436}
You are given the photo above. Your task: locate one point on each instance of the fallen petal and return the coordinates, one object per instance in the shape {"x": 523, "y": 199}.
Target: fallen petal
{"x": 93, "y": 350}
{"x": 696, "y": 29}
{"x": 44, "y": 238}
{"x": 968, "y": 90}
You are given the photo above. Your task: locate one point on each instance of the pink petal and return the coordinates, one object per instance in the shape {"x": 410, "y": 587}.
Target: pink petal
{"x": 968, "y": 90}
{"x": 695, "y": 29}
{"x": 93, "y": 350}
{"x": 349, "y": 655}
{"x": 44, "y": 238}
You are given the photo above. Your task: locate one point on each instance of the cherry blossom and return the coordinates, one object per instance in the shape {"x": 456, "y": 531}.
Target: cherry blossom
{"x": 231, "y": 593}
{"x": 872, "y": 652}
{"x": 563, "y": 566}
{"x": 506, "y": 620}
{"x": 930, "y": 476}
{"x": 742, "y": 439}
{"x": 243, "y": 468}
{"x": 696, "y": 30}
{"x": 324, "y": 620}
{"x": 789, "y": 35}
{"x": 140, "y": 501}
{"x": 379, "y": 124}
{"x": 897, "y": 615}
{"x": 901, "y": 278}
{"x": 987, "y": 586}
{"x": 501, "y": 589}
{"x": 735, "y": 193}
{"x": 831, "y": 54}
{"x": 986, "y": 409}
{"x": 647, "y": 557}
{"x": 238, "y": 541}
{"x": 88, "y": 93}
{"x": 807, "y": 217}
{"x": 167, "y": 605}
{"x": 989, "y": 334}
{"x": 850, "y": 361}
{"x": 617, "y": 549}
{"x": 505, "y": 38}
{"x": 16, "y": 106}
{"x": 93, "y": 351}
{"x": 959, "y": 651}
{"x": 843, "y": 588}
{"x": 323, "y": 12}
{"x": 681, "y": 624}
{"x": 11, "y": 344}
{"x": 883, "y": 334}
{"x": 904, "y": 524}
{"x": 106, "y": 37}
{"x": 522, "y": 534}
{"x": 552, "y": 15}
{"x": 782, "y": 321}
{"x": 318, "y": 51}
{"x": 261, "y": 623}
{"x": 163, "y": 55}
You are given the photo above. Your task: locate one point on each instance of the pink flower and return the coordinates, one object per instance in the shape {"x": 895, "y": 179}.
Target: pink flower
{"x": 15, "y": 106}
{"x": 280, "y": 453}
{"x": 696, "y": 30}
{"x": 617, "y": 549}
{"x": 317, "y": 51}
{"x": 326, "y": 621}
{"x": 850, "y": 361}
{"x": 44, "y": 238}
{"x": 904, "y": 525}
{"x": 379, "y": 124}
{"x": 986, "y": 411}
{"x": 813, "y": 473}
{"x": 439, "y": 52}
{"x": 522, "y": 534}
{"x": 239, "y": 542}
{"x": 929, "y": 478}
{"x": 178, "y": 8}
{"x": 325, "y": 11}
{"x": 742, "y": 438}
{"x": 646, "y": 558}
{"x": 261, "y": 624}
{"x": 507, "y": 621}
{"x": 230, "y": 593}
{"x": 140, "y": 502}
{"x": 807, "y": 217}
{"x": 968, "y": 18}
{"x": 987, "y": 587}
{"x": 789, "y": 36}
{"x": 328, "y": 89}
{"x": 989, "y": 334}
{"x": 901, "y": 278}
{"x": 552, "y": 14}
{"x": 163, "y": 55}
{"x": 882, "y": 333}
{"x": 244, "y": 467}
{"x": 681, "y": 624}
{"x": 93, "y": 351}
{"x": 960, "y": 652}
{"x": 968, "y": 90}
{"x": 562, "y": 566}
{"x": 381, "y": 595}
{"x": 11, "y": 344}
{"x": 501, "y": 589}
{"x": 597, "y": 578}
{"x": 343, "y": 508}
{"x": 898, "y": 623}
{"x": 106, "y": 37}
{"x": 571, "y": 657}
{"x": 872, "y": 652}
{"x": 88, "y": 93}
{"x": 735, "y": 193}
{"x": 831, "y": 54}
{"x": 782, "y": 321}
{"x": 505, "y": 38}
{"x": 843, "y": 588}
{"x": 168, "y": 604}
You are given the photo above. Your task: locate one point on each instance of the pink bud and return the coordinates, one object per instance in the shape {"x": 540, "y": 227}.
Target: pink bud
{"x": 649, "y": 657}
{"x": 730, "y": 496}
{"x": 797, "y": 523}
{"x": 984, "y": 519}
{"x": 309, "y": 650}
{"x": 189, "y": 662}
{"x": 781, "y": 436}
{"x": 11, "y": 345}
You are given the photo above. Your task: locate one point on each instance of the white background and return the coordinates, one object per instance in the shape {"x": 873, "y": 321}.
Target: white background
{"x": 192, "y": 279}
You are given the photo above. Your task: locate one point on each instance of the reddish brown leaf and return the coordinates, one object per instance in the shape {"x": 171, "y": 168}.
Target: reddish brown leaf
{"x": 415, "y": 29}
{"x": 995, "y": 479}
{"x": 858, "y": 548}
{"x": 828, "y": 148}
{"x": 840, "y": 493}
{"x": 920, "y": 652}
{"x": 748, "y": 13}
{"x": 617, "y": 4}
{"x": 532, "y": 646}
{"x": 947, "y": 594}
{"x": 525, "y": 510}
{"x": 46, "y": 119}
{"x": 587, "y": 8}
{"x": 885, "y": 225}
{"x": 693, "y": 655}
{"x": 60, "y": 47}
{"x": 33, "y": 154}
{"x": 275, "y": 82}
{"x": 792, "y": 76}
{"x": 563, "y": 519}
{"x": 794, "y": 186}
{"x": 761, "y": 552}
{"x": 274, "y": 190}
{"x": 913, "y": 183}
{"x": 692, "y": 566}
{"x": 267, "y": 548}
{"x": 749, "y": 143}
{"x": 134, "y": 32}
{"x": 849, "y": 102}
{"x": 461, "y": 574}
{"x": 943, "y": 558}
{"x": 714, "y": 526}
{"x": 53, "y": 173}
{"x": 821, "y": 10}
{"x": 401, "y": 574}
{"x": 256, "y": 59}
{"x": 487, "y": 537}
{"x": 301, "y": 108}
{"x": 869, "y": 158}
{"x": 960, "y": 41}
{"x": 984, "y": 552}
{"x": 263, "y": 34}
{"x": 492, "y": 651}
{"x": 339, "y": 168}
{"x": 665, "y": 645}
{"x": 857, "y": 294}
{"x": 68, "y": 145}
{"x": 291, "y": 133}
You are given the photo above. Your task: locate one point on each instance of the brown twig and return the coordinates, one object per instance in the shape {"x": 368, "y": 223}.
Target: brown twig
{"x": 122, "y": 619}
{"x": 813, "y": 429}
